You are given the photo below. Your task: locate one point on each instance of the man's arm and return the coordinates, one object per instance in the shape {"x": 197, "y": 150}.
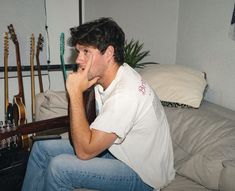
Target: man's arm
{"x": 88, "y": 143}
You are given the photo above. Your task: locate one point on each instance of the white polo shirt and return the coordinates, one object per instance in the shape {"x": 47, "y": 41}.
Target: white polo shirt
{"x": 130, "y": 109}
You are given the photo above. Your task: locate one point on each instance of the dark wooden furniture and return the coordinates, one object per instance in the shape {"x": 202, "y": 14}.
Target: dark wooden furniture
{"x": 13, "y": 161}
{"x": 12, "y": 169}
{"x": 38, "y": 126}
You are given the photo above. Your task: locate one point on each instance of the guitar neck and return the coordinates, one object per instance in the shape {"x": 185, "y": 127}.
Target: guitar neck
{"x": 39, "y": 74}
{"x": 6, "y": 47}
{"x": 63, "y": 68}
{"x": 39, "y": 48}
{"x": 6, "y": 84}
{"x": 19, "y": 73}
{"x": 32, "y": 77}
{"x": 62, "y": 56}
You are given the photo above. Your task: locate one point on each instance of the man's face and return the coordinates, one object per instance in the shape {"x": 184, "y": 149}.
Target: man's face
{"x": 85, "y": 54}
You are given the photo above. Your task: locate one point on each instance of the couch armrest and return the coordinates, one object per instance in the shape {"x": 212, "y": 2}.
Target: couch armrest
{"x": 227, "y": 176}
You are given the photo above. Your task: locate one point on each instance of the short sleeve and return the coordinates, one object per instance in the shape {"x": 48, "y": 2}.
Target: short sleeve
{"x": 117, "y": 115}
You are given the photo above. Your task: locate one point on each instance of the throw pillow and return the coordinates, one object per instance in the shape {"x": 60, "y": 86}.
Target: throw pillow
{"x": 176, "y": 85}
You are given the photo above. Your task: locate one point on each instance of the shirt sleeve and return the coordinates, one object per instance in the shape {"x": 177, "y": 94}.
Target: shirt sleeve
{"x": 117, "y": 116}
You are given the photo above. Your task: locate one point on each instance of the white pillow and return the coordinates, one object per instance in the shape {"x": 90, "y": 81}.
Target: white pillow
{"x": 176, "y": 83}
{"x": 51, "y": 104}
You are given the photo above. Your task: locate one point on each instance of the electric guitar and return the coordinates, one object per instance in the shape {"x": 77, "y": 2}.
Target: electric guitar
{"x": 8, "y": 106}
{"x": 62, "y": 56}
{"x": 39, "y": 48}
{"x": 32, "y": 45}
{"x": 19, "y": 110}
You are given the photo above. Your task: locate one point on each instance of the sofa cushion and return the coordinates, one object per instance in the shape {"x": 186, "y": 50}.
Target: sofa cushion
{"x": 202, "y": 140}
{"x": 176, "y": 85}
{"x": 181, "y": 183}
{"x": 51, "y": 104}
{"x": 227, "y": 176}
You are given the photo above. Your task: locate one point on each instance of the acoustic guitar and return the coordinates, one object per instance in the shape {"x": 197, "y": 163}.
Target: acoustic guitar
{"x": 8, "y": 106}
{"x": 19, "y": 110}
{"x": 39, "y": 48}
{"x": 32, "y": 50}
{"x": 62, "y": 57}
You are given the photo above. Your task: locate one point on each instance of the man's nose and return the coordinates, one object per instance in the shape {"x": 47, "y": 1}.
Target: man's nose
{"x": 80, "y": 59}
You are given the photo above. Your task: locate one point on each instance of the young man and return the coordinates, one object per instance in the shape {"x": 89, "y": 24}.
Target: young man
{"x": 128, "y": 146}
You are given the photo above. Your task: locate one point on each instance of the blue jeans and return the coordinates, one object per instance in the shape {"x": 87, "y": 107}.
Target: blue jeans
{"x": 53, "y": 165}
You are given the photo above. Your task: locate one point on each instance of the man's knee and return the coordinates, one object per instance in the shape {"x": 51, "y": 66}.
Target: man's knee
{"x": 57, "y": 165}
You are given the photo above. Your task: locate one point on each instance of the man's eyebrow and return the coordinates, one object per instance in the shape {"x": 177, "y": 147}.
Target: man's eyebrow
{"x": 77, "y": 50}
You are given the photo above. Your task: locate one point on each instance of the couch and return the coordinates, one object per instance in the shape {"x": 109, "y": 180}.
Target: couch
{"x": 203, "y": 136}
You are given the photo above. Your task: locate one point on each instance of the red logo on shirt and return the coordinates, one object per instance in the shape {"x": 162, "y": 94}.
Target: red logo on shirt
{"x": 142, "y": 87}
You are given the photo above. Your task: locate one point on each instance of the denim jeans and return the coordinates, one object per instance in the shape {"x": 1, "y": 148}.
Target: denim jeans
{"x": 53, "y": 165}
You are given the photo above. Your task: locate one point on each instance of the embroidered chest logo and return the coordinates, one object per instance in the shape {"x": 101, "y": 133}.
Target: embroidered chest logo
{"x": 142, "y": 87}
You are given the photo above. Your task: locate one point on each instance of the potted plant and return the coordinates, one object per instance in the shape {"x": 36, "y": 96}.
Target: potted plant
{"x": 134, "y": 53}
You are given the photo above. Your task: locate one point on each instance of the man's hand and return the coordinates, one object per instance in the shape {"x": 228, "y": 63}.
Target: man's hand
{"x": 78, "y": 81}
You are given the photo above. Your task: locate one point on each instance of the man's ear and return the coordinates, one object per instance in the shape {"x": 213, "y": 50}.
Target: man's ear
{"x": 109, "y": 52}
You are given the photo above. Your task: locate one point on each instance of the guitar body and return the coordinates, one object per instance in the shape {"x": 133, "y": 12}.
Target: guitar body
{"x": 20, "y": 119}
{"x": 19, "y": 111}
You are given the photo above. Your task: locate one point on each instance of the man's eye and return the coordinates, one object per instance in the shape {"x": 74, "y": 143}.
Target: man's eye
{"x": 85, "y": 51}
{"x": 77, "y": 51}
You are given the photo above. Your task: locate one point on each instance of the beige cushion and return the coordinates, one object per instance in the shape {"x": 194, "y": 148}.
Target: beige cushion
{"x": 181, "y": 183}
{"x": 51, "y": 104}
{"x": 227, "y": 177}
{"x": 202, "y": 140}
{"x": 175, "y": 83}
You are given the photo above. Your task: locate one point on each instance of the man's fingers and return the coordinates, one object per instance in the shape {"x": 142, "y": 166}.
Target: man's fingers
{"x": 89, "y": 63}
{"x": 93, "y": 81}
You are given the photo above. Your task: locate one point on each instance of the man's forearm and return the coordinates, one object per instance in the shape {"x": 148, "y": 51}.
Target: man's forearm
{"x": 80, "y": 131}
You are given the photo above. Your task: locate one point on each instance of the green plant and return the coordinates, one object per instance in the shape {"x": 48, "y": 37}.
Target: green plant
{"x": 134, "y": 53}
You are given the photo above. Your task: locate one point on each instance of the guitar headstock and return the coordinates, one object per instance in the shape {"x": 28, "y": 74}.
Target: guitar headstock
{"x": 13, "y": 34}
{"x": 32, "y": 45}
{"x": 40, "y": 43}
{"x": 62, "y": 44}
{"x": 6, "y": 44}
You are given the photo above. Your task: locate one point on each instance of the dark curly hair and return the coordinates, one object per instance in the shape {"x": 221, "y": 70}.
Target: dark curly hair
{"x": 100, "y": 34}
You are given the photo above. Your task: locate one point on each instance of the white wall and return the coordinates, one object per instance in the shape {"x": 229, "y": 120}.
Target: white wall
{"x": 28, "y": 16}
{"x": 153, "y": 22}
{"x": 187, "y": 32}
{"x": 61, "y": 16}
{"x": 26, "y": 20}
{"x": 204, "y": 44}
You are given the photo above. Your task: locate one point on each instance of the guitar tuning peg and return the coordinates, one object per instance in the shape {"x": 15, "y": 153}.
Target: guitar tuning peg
{"x": 13, "y": 126}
